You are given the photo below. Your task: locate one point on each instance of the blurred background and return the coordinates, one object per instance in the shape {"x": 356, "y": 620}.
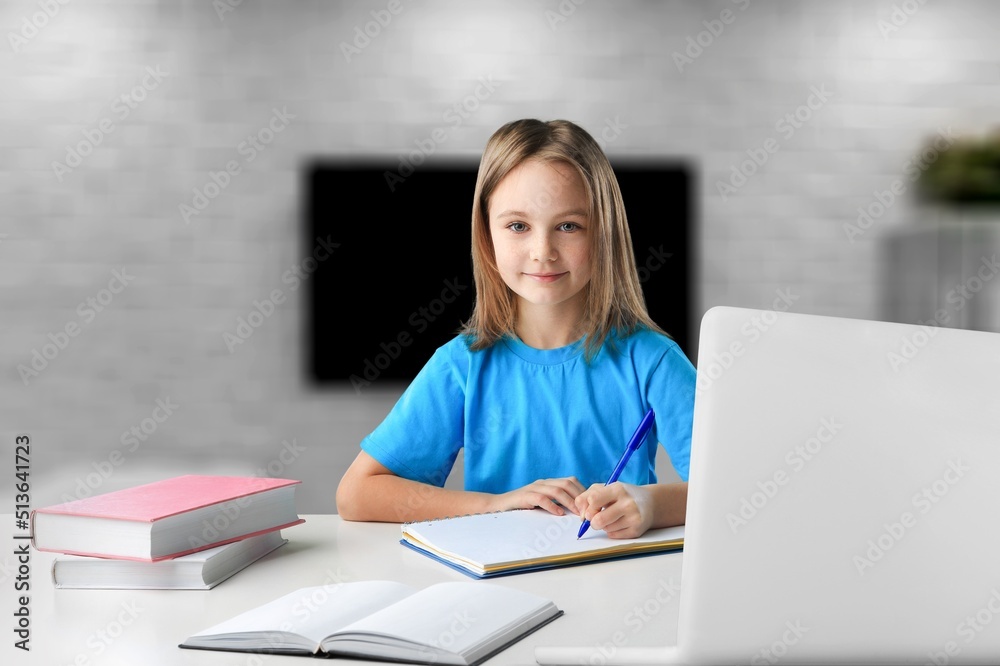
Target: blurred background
{"x": 155, "y": 248}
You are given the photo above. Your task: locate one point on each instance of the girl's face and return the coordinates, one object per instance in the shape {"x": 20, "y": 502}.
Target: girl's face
{"x": 541, "y": 233}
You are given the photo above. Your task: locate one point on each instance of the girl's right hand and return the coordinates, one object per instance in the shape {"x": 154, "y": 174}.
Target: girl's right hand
{"x": 557, "y": 496}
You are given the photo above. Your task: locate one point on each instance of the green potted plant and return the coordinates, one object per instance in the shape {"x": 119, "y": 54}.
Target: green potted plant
{"x": 966, "y": 174}
{"x": 944, "y": 268}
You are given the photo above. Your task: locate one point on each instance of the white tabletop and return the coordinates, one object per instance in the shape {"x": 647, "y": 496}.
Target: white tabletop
{"x": 629, "y": 602}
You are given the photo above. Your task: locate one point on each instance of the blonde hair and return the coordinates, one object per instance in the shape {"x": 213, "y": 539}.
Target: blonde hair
{"x": 614, "y": 300}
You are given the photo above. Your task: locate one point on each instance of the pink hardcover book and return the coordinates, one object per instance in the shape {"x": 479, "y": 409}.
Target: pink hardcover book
{"x": 166, "y": 519}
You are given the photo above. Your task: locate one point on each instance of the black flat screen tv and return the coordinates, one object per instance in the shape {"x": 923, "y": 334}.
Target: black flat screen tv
{"x": 399, "y": 282}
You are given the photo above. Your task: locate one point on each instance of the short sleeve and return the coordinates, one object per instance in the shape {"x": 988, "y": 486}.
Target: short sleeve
{"x": 421, "y": 436}
{"x": 670, "y": 390}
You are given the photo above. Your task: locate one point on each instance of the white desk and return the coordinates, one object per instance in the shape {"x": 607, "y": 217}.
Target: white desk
{"x": 629, "y": 602}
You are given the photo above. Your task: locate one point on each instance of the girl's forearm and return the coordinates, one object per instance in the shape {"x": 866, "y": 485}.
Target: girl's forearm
{"x": 670, "y": 504}
{"x": 392, "y": 499}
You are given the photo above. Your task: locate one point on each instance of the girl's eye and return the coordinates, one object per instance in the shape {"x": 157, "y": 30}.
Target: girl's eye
{"x": 517, "y": 227}
{"x": 569, "y": 226}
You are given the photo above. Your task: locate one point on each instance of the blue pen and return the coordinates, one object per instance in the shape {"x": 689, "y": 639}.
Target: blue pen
{"x": 638, "y": 437}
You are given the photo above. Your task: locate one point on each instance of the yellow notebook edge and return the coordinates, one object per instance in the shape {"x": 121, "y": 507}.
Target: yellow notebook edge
{"x": 628, "y": 548}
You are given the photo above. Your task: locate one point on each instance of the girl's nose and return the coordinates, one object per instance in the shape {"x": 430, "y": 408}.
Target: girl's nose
{"x": 542, "y": 249}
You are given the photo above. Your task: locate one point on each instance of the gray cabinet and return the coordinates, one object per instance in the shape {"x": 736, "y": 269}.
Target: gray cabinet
{"x": 944, "y": 271}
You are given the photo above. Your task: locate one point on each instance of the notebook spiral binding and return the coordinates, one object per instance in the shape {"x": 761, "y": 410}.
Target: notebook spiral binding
{"x": 460, "y": 515}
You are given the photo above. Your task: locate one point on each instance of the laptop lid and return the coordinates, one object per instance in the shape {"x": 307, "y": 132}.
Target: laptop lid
{"x": 844, "y": 483}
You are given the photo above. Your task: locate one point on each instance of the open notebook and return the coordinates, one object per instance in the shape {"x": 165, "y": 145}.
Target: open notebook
{"x": 462, "y": 624}
{"x": 509, "y": 542}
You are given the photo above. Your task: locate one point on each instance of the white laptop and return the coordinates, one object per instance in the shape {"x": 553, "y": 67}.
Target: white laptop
{"x": 844, "y": 500}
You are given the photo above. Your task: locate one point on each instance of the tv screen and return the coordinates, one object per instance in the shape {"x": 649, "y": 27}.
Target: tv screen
{"x": 398, "y": 282}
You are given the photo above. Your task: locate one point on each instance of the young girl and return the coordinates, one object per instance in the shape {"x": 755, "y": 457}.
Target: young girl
{"x": 555, "y": 368}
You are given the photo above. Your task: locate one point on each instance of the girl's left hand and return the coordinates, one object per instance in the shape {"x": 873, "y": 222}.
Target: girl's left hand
{"x": 623, "y": 510}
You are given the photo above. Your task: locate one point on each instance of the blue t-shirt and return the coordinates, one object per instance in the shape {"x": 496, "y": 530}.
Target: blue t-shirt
{"x": 524, "y": 414}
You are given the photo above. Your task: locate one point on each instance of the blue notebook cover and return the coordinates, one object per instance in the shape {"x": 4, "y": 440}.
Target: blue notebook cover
{"x": 500, "y": 543}
{"x": 527, "y": 569}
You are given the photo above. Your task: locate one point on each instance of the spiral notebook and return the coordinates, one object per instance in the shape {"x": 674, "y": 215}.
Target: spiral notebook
{"x": 510, "y": 542}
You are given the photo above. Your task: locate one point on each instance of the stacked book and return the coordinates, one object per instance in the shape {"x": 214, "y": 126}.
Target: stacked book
{"x": 185, "y": 532}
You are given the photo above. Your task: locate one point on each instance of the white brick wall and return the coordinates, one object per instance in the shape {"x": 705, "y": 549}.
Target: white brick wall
{"x": 162, "y": 335}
